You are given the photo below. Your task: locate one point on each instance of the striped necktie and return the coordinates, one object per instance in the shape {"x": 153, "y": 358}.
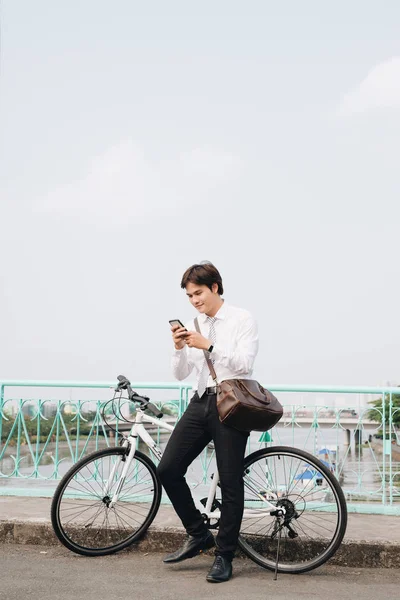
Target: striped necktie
{"x": 205, "y": 371}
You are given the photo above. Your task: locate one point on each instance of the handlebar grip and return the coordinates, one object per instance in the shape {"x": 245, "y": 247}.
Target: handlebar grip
{"x": 156, "y": 411}
{"x": 123, "y": 382}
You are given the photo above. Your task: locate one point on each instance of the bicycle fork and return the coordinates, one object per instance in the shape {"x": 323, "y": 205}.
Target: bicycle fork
{"x": 127, "y": 459}
{"x": 130, "y": 443}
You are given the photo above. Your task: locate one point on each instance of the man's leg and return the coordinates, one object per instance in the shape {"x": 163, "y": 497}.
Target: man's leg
{"x": 188, "y": 439}
{"x": 230, "y": 447}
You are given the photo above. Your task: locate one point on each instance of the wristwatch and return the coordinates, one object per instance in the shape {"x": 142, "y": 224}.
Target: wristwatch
{"x": 211, "y": 348}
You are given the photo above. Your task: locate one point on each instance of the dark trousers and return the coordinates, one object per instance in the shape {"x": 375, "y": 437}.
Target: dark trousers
{"x": 199, "y": 425}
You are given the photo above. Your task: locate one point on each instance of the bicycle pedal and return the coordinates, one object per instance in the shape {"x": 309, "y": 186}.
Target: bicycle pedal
{"x": 216, "y": 504}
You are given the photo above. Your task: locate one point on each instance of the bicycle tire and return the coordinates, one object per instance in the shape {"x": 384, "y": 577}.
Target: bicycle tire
{"x": 80, "y": 516}
{"x": 316, "y": 510}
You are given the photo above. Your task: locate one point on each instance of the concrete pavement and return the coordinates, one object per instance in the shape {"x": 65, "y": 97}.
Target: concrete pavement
{"x": 370, "y": 541}
{"x": 53, "y": 572}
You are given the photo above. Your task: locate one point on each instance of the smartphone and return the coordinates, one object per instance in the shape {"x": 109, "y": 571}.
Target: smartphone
{"x": 177, "y": 322}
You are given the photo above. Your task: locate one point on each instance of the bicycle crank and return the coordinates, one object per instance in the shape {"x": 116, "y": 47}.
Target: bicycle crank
{"x": 216, "y": 505}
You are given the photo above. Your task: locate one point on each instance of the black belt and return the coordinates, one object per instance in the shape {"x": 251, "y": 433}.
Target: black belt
{"x": 211, "y": 390}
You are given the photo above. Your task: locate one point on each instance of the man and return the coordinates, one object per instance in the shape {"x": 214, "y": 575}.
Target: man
{"x": 230, "y": 337}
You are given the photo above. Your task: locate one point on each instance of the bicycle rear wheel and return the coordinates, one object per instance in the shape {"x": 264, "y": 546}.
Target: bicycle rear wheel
{"x": 80, "y": 513}
{"x": 316, "y": 514}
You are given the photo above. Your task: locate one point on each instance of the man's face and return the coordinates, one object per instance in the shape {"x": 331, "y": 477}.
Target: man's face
{"x": 201, "y": 297}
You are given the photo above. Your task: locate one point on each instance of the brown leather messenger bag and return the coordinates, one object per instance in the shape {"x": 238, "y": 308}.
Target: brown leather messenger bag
{"x": 243, "y": 403}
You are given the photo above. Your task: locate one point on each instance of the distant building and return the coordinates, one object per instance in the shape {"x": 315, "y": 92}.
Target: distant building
{"x": 29, "y": 409}
{"x": 49, "y": 410}
{"x": 69, "y": 409}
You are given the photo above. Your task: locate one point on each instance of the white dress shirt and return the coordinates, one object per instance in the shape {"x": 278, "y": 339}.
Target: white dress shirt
{"x": 234, "y": 351}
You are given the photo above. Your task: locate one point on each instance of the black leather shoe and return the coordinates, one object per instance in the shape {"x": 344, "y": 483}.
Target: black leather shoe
{"x": 193, "y": 546}
{"x": 220, "y": 571}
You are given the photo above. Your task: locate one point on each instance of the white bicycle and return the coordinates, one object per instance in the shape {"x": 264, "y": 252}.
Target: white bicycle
{"x": 294, "y": 517}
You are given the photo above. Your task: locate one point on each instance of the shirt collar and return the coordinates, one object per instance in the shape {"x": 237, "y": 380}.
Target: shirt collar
{"x": 221, "y": 314}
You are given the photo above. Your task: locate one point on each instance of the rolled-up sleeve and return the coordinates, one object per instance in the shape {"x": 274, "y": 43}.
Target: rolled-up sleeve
{"x": 182, "y": 366}
{"x": 240, "y": 357}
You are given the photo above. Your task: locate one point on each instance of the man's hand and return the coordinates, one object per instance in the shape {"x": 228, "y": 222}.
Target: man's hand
{"x": 179, "y": 336}
{"x": 195, "y": 340}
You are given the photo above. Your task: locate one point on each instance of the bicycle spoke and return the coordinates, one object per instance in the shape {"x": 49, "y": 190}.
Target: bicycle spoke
{"x": 78, "y": 511}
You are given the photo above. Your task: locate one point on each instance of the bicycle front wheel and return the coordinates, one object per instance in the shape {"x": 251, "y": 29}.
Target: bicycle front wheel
{"x": 82, "y": 517}
{"x": 315, "y": 518}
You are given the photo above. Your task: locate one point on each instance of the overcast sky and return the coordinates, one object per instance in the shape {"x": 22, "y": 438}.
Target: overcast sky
{"x": 140, "y": 137}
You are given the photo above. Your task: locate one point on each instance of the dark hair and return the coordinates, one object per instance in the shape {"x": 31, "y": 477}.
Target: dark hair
{"x": 203, "y": 274}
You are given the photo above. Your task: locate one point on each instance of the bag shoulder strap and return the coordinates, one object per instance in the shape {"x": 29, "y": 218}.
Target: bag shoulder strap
{"x": 206, "y": 356}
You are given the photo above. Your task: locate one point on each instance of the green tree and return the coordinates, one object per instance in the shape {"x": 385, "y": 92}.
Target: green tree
{"x": 375, "y": 413}
{"x": 45, "y": 427}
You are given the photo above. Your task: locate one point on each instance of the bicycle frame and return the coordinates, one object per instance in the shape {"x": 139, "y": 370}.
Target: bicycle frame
{"x": 138, "y": 431}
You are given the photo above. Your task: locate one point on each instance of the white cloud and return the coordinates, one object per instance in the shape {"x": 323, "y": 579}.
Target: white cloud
{"x": 209, "y": 163}
{"x": 380, "y": 89}
{"x": 124, "y": 183}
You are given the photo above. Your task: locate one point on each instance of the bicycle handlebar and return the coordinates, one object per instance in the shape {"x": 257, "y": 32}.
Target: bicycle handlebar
{"x": 144, "y": 401}
{"x": 156, "y": 411}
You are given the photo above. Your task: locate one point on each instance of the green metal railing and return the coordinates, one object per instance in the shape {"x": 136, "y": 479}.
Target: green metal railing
{"x": 41, "y": 437}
